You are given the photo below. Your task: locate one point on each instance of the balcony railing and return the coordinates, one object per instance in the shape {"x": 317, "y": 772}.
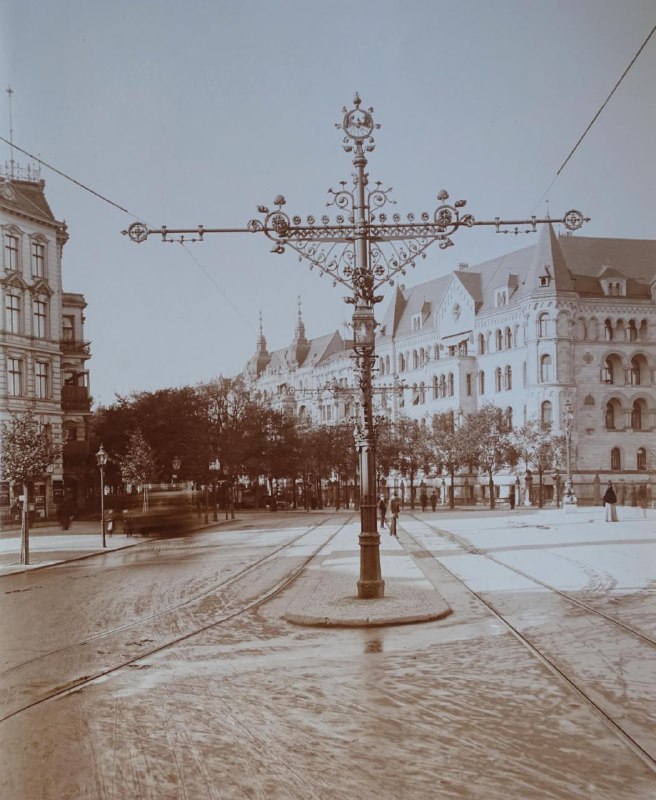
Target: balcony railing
{"x": 76, "y": 346}
{"x": 75, "y": 398}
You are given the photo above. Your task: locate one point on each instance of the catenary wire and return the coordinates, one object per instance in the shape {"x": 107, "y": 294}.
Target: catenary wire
{"x": 134, "y": 216}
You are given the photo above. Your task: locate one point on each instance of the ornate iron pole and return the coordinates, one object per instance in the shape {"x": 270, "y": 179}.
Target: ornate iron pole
{"x": 362, "y": 250}
{"x": 569, "y": 491}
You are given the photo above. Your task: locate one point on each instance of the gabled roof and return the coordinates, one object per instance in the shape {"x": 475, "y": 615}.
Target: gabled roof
{"x": 29, "y": 198}
{"x": 408, "y": 302}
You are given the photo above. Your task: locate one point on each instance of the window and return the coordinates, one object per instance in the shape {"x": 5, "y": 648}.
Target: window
{"x": 524, "y": 374}
{"x": 38, "y": 260}
{"x": 481, "y": 382}
{"x": 422, "y": 392}
{"x": 416, "y": 322}
{"x": 401, "y": 362}
{"x": 499, "y": 340}
{"x": 41, "y": 379}
{"x": 442, "y": 386}
{"x": 468, "y": 382}
{"x": 13, "y": 307}
{"x": 641, "y": 458}
{"x": 508, "y": 338}
{"x": 15, "y": 377}
{"x": 451, "y": 388}
{"x": 607, "y": 372}
{"x": 546, "y": 413}
{"x": 11, "y": 251}
{"x": 435, "y": 388}
{"x": 545, "y": 369}
{"x": 481, "y": 344}
{"x": 543, "y": 323}
{"x": 415, "y": 359}
{"x": 608, "y": 330}
{"x": 508, "y": 376}
{"x": 615, "y": 458}
{"x": 609, "y": 416}
{"x": 40, "y": 319}
{"x": 436, "y": 352}
{"x": 636, "y": 416}
{"x": 69, "y": 328}
{"x": 497, "y": 379}
{"x": 632, "y": 331}
{"x": 508, "y": 419}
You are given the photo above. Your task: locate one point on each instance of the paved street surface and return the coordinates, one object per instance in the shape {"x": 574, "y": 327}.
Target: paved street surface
{"x": 170, "y": 669}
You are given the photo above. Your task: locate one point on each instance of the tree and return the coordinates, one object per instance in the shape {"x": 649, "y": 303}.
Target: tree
{"x": 538, "y": 448}
{"x": 409, "y": 451}
{"x": 25, "y": 455}
{"x": 138, "y": 464}
{"x": 446, "y": 447}
{"x": 486, "y": 442}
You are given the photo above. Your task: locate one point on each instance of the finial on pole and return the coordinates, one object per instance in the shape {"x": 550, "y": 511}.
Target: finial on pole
{"x": 10, "y": 91}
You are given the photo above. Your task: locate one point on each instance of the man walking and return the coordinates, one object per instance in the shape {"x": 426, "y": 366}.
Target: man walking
{"x": 395, "y": 507}
{"x": 382, "y": 510}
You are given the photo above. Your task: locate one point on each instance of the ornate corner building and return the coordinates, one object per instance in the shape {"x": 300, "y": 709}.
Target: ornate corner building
{"x": 569, "y": 322}
{"x": 43, "y": 352}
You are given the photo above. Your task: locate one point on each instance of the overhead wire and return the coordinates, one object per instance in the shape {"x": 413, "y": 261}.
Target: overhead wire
{"x": 134, "y": 216}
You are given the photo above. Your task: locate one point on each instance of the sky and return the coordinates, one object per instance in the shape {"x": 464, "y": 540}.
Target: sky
{"x": 196, "y": 112}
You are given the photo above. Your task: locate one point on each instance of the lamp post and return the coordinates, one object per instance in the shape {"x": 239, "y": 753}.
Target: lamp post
{"x": 362, "y": 250}
{"x": 569, "y": 415}
{"x": 176, "y": 464}
{"x": 101, "y": 458}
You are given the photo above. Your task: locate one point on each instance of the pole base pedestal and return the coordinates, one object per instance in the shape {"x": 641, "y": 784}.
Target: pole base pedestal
{"x": 371, "y": 589}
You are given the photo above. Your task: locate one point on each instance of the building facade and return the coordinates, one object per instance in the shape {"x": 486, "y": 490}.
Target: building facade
{"x": 569, "y": 322}
{"x": 43, "y": 354}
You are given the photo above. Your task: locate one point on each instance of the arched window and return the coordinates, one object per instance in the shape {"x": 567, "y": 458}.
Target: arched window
{"x": 481, "y": 344}
{"x": 422, "y": 357}
{"x": 509, "y": 419}
{"x": 498, "y": 338}
{"x": 508, "y": 338}
{"x": 607, "y": 372}
{"x": 497, "y": 379}
{"x": 387, "y": 364}
{"x": 381, "y": 365}
{"x": 435, "y": 387}
{"x": 524, "y": 374}
{"x": 634, "y": 375}
{"x": 615, "y": 458}
{"x": 641, "y": 458}
{"x": 442, "y": 386}
{"x": 422, "y": 392}
{"x": 508, "y": 380}
{"x": 636, "y": 415}
{"x": 632, "y": 331}
{"x": 608, "y": 330}
{"x": 415, "y": 359}
{"x": 436, "y": 352}
{"x": 546, "y": 413}
{"x": 543, "y": 324}
{"x": 481, "y": 382}
{"x": 545, "y": 368}
{"x": 401, "y": 363}
{"x": 612, "y": 414}
{"x": 451, "y": 387}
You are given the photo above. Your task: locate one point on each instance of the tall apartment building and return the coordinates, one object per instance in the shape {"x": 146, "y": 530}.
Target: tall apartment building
{"x": 567, "y": 321}
{"x": 43, "y": 353}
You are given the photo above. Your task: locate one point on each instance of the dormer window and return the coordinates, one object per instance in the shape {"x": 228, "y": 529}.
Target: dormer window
{"x": 545, "y": 280}
{"x": 615, "y": 287}
{"x": 501, "y": 297}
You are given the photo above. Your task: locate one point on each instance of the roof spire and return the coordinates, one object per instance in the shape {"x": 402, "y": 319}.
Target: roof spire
{"x": 10, "y": 91}
{"x": 261, "y": 341}
{"x": 299, "y": 331}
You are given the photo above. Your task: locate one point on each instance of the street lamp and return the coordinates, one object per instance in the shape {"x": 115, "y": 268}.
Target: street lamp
{"x": 569, "y": 415}
{"x": 101, "y": 458}
{"x": 363, "y": 249}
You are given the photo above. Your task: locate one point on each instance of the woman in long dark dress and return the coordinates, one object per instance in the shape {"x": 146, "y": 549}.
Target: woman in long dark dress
{"x": 610, "y": 501}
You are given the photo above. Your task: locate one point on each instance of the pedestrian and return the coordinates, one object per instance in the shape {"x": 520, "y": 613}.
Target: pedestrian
{"x": 433, "y": 500}
{"x": 423, "y": 499}
{"x": 66, "y": 512}
{"x": 511, "y": 497}
{"x": 382, "y": 510}
{"x": 610, "y": 501}
{"x": 395, "y": 508}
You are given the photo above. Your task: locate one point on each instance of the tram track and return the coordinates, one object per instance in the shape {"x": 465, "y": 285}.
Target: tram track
{"x": 583, "y": 693}
{"x": 258, "y": 600}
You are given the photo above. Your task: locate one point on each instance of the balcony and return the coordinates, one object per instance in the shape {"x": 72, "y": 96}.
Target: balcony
{"x": 75, "y": 398}
{"x": 76, "y": 346}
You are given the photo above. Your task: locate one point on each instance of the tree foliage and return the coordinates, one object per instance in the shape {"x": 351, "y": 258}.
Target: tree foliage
{"x": 486, "y": 442}
{"x": 26, "y": 451}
